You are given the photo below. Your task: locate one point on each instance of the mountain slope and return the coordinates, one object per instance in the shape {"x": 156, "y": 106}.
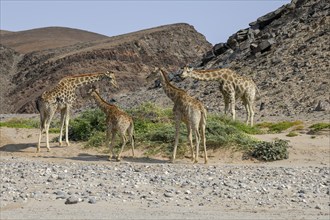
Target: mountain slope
{"x": 132, "y": 56}
{"x": 46, "y": 38}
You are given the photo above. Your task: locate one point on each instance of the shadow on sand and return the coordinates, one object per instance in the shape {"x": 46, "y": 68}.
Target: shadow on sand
{"x": 91, "y": 157}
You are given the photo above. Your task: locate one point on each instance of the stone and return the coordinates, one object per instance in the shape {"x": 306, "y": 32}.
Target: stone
{"x": 219, "y": 48}
{"x": 319, "y": 107}
{"x": 72, "y": 200}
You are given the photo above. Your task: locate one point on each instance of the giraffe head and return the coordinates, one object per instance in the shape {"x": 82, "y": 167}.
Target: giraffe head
{"x": 186, "y": 71}
{"x": 93, "y": 91}
{"x": 154, "y": 74}
{"x": 111, "y": 76}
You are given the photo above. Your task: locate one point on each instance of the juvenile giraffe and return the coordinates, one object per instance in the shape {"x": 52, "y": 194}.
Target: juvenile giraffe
{"x": 232, "y": 87}
{"x": 188, "y": 110}
{"x": 63, "y": 96}
{"x": 116, "y": 121}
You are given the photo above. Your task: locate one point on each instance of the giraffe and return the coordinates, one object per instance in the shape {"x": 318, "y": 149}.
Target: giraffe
{"x": 232, "y": 87}
{"x": 63, "y": 96}
{"x": 188, "y": 110}
{"x": 116, "y": 121}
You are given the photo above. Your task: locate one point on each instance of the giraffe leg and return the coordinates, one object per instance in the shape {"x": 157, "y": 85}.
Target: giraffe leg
{"x": 42, "y": 128}
{"x": 62, "y": 126}
{"x": 177, "y": 130}
{"x": 124, "y": 140}
{"x": 226, "y": 105}
{"x": 131, "y": 136}
{"x": 197, "y": 137}
{"x": 47, "y": 137}
{"x": 112, "y": 153}
{"x": 191, "y": 143}
{"x": 251, "y": 113}
{"x": 40, "y": 134}
{"x": 47, "y": 124}
{"x": 248, "y": 113}
{"x": 232, "y": 100}
{"x": 67, "y": 119}
{"x": 204, "y": 143}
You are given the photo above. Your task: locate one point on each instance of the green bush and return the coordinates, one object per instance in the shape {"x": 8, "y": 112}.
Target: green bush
{"x": 222, "y": 132}
{"x": 270, "y": 151}
{"x": 85, "y": 125}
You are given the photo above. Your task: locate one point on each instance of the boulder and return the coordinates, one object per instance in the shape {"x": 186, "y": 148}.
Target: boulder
{"x": 220, "y": 48}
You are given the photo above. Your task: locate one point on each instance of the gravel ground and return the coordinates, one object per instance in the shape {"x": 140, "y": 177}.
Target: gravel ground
{"x": 179, "y": 191}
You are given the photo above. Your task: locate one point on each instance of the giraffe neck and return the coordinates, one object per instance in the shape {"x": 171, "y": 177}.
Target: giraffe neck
{"x": 207, "y": 75}
{"x": 101, "y": 102}
{"x": 84, "y": 79}
{"x": 171, "y": 91}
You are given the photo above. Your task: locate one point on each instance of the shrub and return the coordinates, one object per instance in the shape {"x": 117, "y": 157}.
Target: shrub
{"x": 270, "y": 151}
{"x": 292, "y": 134}
{"x": 223, "y": 132}
{"x": 85, "y": 125}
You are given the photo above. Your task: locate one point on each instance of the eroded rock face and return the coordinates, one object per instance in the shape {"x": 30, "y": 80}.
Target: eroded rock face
{"x": 133, "y": 56}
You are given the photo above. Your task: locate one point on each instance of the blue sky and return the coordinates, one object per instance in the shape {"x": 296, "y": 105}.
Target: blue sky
{"x": 216, "y": 19}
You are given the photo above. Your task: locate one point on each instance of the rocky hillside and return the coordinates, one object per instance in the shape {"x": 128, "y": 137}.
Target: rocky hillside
{"x": 286, "y": 52}
{"x": 131, "y": 55}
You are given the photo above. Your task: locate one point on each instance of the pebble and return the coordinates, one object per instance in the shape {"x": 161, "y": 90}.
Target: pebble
{"x": 164, "y": 184}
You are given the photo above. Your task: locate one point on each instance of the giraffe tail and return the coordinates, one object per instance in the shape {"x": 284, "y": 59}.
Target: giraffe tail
{"x": 39, "y": 104}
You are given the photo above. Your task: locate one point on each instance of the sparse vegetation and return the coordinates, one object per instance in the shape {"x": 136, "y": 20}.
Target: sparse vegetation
{"x": 279, "y": 126}
{"x": 318, "y": 127}
{"x": 154, "y": 132}
{"x": 29, "y": 123}
{"x": 292, "y": 134}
